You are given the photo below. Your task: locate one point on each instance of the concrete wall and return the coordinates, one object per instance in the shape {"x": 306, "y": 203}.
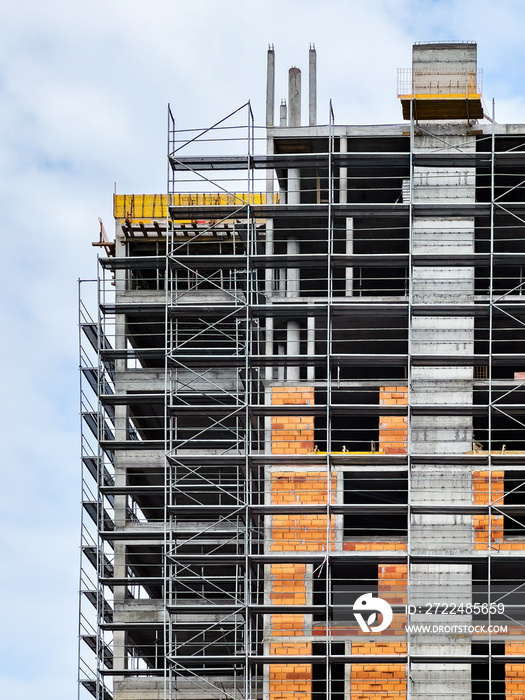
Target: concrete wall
{"x": 435, "y": 434}
{"x": 444, "y": 68}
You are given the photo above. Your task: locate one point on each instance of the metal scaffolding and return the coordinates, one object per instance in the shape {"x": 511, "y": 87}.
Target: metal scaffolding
{"x": 305, "y": 384}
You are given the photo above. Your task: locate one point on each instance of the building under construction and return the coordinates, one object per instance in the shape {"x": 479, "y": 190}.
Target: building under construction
{"x": 303, "y": 396}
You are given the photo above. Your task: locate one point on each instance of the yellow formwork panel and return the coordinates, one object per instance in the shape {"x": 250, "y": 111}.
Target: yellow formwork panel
{"x": 139, "y": 206}
{"x": 220, "y": 199}
{"x": 445, "y": 106}
{"x": 148, "y": 207}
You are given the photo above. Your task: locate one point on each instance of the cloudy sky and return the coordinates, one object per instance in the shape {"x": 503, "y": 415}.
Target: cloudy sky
{"x": 83, "y": 90}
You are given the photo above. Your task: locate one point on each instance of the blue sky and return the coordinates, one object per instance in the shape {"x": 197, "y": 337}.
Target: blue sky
{"x": 83, "y": 92}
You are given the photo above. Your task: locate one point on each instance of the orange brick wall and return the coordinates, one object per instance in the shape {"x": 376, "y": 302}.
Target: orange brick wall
{"x": 288, "y": 584}
{"x": 486, "y": 492}
{"x": 393, "y": 430}
{"x": 392, "y": 585}
{"x": 515, "y": 673}
{"x": 392, "y": 582}
{"x": 295, "y": 435}
{"x": 303, "y": 532}
{"x": 375, "y": 682}
{"x": 290, "y": 681}
{"x": 299, "y": 532}
{"x": 292, "y": 434}
{"x": 289, "y": 533}
{"x": 374, "y": 546}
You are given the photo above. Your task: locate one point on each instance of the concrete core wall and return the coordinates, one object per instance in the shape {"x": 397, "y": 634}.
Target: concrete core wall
{"x": 435, "y": 335}
{"x": 444, "y": 68}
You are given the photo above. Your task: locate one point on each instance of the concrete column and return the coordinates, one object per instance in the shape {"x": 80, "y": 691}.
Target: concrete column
{"x": 294, "y": 97}
{"x": 270, "y": 181}
{"x": 437, "y": 434}
{"x": 120, "y": 339}
{"x": 343, "y": 173}
{"x": 270, "y": 86}
{"x": 293, "y": 273}
{"x": 121, "y": 428}
{"x": 294, "y": 186}
{"x": 310, "y": 337}
{"x": 267, "y": 438}
{"x": 443, "y": 583}
{"x": 270, "y": 273}
{"x": 268, "y": 249}
{"x": 121, "y": 420}
{"x": 119, "y": 569}
{"x": 283, "y": 117}
{"x": 292, "y": 291}
{"x": 349, "y": 271}
{"x": 119, "y": 560}
{"x": 119, "y": 517}
{"x": 280, "y": 370}
{"x": 281, "y": 276}
{"x": 312, "y": 86}
{"x": 293, "y": 347}
{"x": 268, "y": 343}
{"x": 120, "y": 252}
{"x": 283, "y": 114}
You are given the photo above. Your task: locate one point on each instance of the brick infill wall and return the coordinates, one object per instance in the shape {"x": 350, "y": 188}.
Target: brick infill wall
{"x": 393, "y": 430}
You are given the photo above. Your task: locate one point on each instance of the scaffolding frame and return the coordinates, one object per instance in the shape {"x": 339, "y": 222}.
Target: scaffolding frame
{"x": 236, "y": 321}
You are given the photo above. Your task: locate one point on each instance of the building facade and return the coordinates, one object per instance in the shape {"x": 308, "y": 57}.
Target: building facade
{"x": 302, "y": 394}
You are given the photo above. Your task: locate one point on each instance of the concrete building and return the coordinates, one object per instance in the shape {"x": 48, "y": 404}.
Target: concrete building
{"x": 304, "y": 387}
